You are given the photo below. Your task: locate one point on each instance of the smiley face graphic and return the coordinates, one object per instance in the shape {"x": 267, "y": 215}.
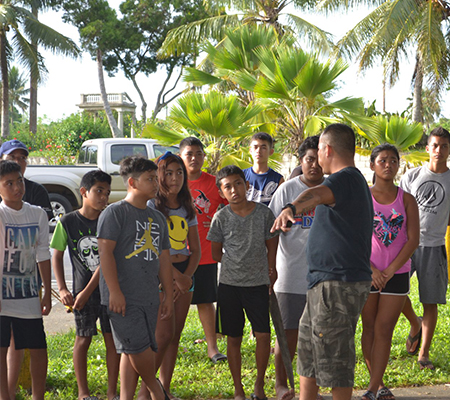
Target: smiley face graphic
{"x": 178, "y": 232}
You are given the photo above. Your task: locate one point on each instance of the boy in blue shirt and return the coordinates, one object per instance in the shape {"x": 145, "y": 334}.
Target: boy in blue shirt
{"x": 263, "y": 180}
{"x": 78, "y": 230}
{"x": 241, "y": 240}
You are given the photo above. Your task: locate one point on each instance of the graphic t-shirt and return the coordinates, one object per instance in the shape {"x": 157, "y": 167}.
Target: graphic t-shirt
{"x": 340, "y": 240}
{"x": 80, "y": 234}
{"x": 292, "y": 266}
{"x": 26, "y": 242}
{"x": 178, "y": 224}
{"x": 244, "y": 261}
{"x": 389, "y": 233}
{"x": 432, "y": 193}
{"x": 140, "y": 236}
{"x": 206, "y": 200}
{"x": 262, "y": 186}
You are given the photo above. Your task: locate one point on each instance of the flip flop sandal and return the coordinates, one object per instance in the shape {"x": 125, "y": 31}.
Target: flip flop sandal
{"x": 253, "y": 396}
{"x": 413, "y": 339}
{"x": 368, "y": 396}
{"x": 218, "y": 357}
{"x": 385, "y": 394}
{"x": 426, "y": 364}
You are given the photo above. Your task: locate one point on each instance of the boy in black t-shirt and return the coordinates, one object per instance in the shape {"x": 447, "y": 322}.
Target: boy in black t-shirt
{"x": 78, "y": 231}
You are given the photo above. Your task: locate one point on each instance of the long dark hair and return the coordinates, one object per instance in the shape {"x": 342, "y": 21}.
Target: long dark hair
{"x": 184, "y": 195}
{"x": 382, "y": 147}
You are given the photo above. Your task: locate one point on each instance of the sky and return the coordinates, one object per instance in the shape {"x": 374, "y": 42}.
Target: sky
{"x": 67, "y": 79}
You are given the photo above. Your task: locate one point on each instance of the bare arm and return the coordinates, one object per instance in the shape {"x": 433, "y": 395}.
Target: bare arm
{"x": 58, "y": 269}
{"x": 272, "y": 246}
{"x": 166, "y": 278}
{"x": 108, "y": 265}
{"x": 413, "y": 231}
{"x": 84, "y": 295}
{"x": 307, "y": 200}
{"x": 216, "y": 250}
{"x": 45, "y": 270}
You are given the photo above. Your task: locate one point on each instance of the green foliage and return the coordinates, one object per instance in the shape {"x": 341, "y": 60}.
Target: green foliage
{"x": 196, "y": 378}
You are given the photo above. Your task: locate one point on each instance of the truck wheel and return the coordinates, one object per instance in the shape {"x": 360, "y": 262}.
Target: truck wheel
{"x": 60, "y": 207}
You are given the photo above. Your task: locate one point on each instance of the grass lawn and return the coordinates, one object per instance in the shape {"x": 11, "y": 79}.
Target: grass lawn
{"x": 196, "y": 377}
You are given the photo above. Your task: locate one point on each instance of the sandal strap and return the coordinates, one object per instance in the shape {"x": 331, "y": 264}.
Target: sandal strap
{"x": 369, "y": 395}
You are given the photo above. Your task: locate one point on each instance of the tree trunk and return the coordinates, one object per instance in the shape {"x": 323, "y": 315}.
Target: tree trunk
{"x": 417, "y": 114}
{"x": 109, "y": 115}
{"x": 33, "y": 88}
{"x": 141, "y": 96}
{"x": 5, "y": 85}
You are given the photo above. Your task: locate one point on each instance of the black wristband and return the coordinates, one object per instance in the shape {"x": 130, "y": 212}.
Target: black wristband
{"x": 292, "y": 207}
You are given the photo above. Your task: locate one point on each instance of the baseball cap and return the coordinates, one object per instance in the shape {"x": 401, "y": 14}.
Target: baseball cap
{"x": 11, "y": 145}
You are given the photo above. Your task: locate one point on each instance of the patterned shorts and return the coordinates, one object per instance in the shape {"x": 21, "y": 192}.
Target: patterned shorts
{"x": 326, "y": 340}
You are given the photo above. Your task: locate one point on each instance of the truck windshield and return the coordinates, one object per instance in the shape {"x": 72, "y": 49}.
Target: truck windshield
{"x": 121, "y": 151}
{"x": 88, "y": 155}
{"x": 159, "y": 149}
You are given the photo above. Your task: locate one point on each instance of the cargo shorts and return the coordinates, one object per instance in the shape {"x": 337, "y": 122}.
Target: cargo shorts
{"x": 326, "y": 339}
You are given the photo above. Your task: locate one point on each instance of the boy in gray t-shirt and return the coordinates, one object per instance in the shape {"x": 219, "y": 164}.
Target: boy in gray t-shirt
{"x": 241, "y": 240}
{"x": 133, "y": 243}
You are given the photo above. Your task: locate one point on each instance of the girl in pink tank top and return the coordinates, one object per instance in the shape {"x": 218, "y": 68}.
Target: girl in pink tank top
{"x": 395, "y": 237}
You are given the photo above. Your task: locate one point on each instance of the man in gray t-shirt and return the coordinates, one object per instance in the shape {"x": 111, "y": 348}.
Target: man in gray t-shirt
{"x": 430, "y": 185}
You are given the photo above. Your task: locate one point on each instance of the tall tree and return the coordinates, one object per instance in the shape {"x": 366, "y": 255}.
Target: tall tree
{"x": 97, "y": 22}
{"x": 18, "y": 92}
{"x": 18, "y": 28}
{"x": 396, "y": 29}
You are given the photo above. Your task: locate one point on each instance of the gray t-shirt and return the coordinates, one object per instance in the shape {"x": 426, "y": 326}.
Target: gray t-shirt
{"x": 292, "y": 266}
{"x": 432, "y": 193}
{"x": 244, "y": 262}
{"x": 140, "y": 236}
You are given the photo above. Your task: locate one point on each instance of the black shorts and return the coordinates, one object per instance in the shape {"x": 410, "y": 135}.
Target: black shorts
{"x": 205, "y": 284}
{"x": 398, "y": 285}
{"x": 28, "y": 333}
{"x": 86, "y": 318}
{"x": 182, "y": 266}
{"x": 231, "y": 303}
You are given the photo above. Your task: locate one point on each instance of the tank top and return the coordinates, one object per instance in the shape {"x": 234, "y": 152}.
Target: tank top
{"x": 389, "y": 233}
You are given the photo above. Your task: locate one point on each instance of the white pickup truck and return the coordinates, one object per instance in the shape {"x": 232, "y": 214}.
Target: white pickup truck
{"x": 63, "y": 181}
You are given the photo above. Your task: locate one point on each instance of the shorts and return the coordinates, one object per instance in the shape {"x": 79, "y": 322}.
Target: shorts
{"x": 182, "y": 266}
{"x": 205, "y": 284}
{"x": 135, "y": 332}
{"x": 430, "y": 264}
{"x": 86, "y": 318}
{"x": 28, "y": 333}
{"x": 291, "y": 308}
{"x": 231, "y": 303}
{"x": 326, "y": 337}
{"x": 398, "y": 285}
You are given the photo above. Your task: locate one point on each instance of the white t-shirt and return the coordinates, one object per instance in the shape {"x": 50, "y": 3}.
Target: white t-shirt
{"x": 432, "y": 193}
{"x": 25, "y": 237}
{"x": 292, "y": 266}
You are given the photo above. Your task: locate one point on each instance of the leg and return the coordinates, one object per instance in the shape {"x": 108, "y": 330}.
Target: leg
{"x": 262, "y": 359}
{"x": 15, "y": 359}
{"x": 389, "y": 309}
{"x": 308, "y": 388}
{"x": 368, "y": 316}
{"x": 414, "y": 321}
{"x": 128, "y": 378}
{"x": 340, "y": 393}
{"x": 144, "y": 364}
{"x": 430, "y": 316}
{"x": 38, "y": 368}
{"x": 167, "y": 367}
{"x": 80, "y": 350}
{"x": 234, "y": 362}
{"x": 112, "y": 365}
{"x": 281, "y": 382}
{"x": 207, "y": 315}
{"x": 4, "y": 392}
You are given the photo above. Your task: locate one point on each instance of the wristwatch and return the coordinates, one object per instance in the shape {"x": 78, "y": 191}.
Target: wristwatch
{"x": 292, "y": 207}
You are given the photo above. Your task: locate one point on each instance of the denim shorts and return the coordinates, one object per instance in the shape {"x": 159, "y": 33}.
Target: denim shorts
{"x": 326, "y": 338}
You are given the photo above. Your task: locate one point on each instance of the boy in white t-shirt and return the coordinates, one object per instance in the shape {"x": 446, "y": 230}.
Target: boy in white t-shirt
{"x": 26, "y": 231}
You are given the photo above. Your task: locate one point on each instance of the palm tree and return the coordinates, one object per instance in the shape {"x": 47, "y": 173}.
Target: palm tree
{"x": 397, "y": 29}
{"x": 18, "y": 28}
{"x": 248, "y": 12}
{"x": 18, "y": 92}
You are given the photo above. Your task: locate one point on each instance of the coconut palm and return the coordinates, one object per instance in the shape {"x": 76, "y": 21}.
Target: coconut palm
{"x": 221, "y": 121}
{"x": 18, "y": 92}
{"x": 18, "y": 27}
{"x": 247, "y": 12}
{"x": 396, "y": 29}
